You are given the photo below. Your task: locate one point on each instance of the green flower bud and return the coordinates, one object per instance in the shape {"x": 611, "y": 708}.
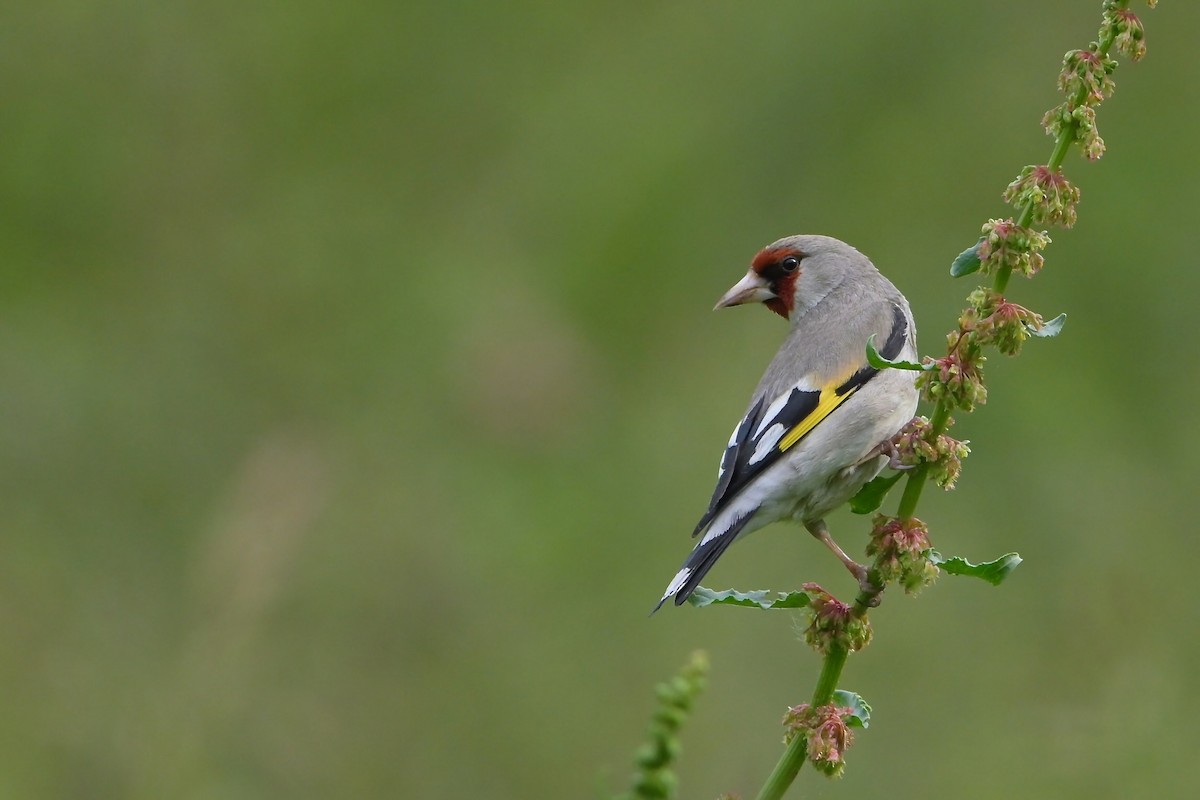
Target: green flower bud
{"x": 948, "y": 465}
{"x": 920, "y": 576}
{"x": 1126, "y": 28}
{"x": 993, "y": 320}
{"x": 654, "y": 785}
{"x": 1051, "y": 196}
{"x": 1086, "y": 133}
{"x": 1057, "y": 119}
{"x": 1086, "y": 76}
{"x": 671, "y": 718}
{"x": 912, "y": 442}
{"x": 916, "y": 444}
{"x": 1007, "y": 244}
{"x": 657, "y": 754}
{"x": 954, "y": 378}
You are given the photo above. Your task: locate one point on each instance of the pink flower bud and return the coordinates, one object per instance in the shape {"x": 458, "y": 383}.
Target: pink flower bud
{"x": 833, "y": 622}
{"x": 826, "y": 732}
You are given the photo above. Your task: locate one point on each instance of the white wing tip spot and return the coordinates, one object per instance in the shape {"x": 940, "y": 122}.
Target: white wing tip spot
{"x": 677, "y": 582}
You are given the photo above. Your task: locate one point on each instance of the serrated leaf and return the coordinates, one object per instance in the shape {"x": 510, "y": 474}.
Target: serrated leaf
{"x": 967, "y": 261}
{"x": 860, "y": 710}
{"x": 879, "y": 362}
{"x": 762, "y": 598}
{"x": 1048, "y": 329}
{"x": 870, "y": 497}
{"x": 994, "y": 572}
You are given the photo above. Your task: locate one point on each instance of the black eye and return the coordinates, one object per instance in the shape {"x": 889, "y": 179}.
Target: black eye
{"x": 790, "y": 264}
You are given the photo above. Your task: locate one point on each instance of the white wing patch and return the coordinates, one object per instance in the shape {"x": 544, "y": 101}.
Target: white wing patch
{"x": 767, "y": 443}
{"x": 773, "y": 410}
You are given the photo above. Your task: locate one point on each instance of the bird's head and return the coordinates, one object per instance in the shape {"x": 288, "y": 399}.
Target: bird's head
{"x": 795, "y": 273}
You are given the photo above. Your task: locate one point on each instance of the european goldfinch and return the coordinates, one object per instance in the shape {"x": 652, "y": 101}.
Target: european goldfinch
{"x": 819, "y": 420}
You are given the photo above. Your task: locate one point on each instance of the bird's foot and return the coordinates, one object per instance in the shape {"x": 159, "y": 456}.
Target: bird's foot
{"x": 886, "y": 448}
{"x": 866, "y": 587}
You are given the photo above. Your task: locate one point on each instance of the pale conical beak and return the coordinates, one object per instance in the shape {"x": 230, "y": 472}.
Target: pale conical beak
{"x": 751, "y": 289}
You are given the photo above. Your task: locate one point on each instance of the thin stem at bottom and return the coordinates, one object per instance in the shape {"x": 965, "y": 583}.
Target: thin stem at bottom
{"x": 793, "y": 758}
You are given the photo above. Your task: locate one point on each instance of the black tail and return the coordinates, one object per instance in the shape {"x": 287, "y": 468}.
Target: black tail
{"x": 700, "y": 562}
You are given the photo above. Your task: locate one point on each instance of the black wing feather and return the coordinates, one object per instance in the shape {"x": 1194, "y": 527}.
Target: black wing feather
{"x": 702, "y": 558}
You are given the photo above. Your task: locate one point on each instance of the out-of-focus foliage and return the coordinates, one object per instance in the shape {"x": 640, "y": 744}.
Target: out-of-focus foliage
{"x": 361, "y": 392}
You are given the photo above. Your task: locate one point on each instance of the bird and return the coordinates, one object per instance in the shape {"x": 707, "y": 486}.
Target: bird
{"x": 819, "y": 422}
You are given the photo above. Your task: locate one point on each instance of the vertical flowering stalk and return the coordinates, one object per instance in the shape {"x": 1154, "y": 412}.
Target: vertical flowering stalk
{"x": 900, "y": 547}
{"x": 655, "y": 780}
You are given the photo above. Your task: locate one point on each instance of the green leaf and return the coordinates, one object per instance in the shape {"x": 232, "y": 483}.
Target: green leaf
{"x": 763, "y": 598}
{"x": 991, "y": 571}
{"x": 967, "y": 261}
{"x": 879, "y": 362}
{"x": 1050, "y": 328}
{"x": 870, "y": 497}
{"x": 860, "y": 710}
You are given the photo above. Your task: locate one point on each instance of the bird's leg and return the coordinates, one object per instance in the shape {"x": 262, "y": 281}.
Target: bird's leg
{"x": 886, "y": 448}
{"x": 818, "y": 529}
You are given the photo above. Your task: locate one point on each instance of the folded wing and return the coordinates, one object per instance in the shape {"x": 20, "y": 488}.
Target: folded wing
{"x": 767, "y": 432}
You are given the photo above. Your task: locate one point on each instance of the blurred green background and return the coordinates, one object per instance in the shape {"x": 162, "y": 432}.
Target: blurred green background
{"x": 362, "y": 391}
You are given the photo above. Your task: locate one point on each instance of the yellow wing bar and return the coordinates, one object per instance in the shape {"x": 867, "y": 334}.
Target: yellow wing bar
{"x": 828, "y": 401}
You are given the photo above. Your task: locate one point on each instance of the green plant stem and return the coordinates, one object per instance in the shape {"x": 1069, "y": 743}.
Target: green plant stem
{"x": 831, "y": 672}
{"x": 785, "y": 770}
{"x": 793, "y": 758}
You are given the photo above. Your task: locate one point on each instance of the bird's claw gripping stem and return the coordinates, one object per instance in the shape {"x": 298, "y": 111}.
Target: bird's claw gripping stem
{"x": 887, "y": 448}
